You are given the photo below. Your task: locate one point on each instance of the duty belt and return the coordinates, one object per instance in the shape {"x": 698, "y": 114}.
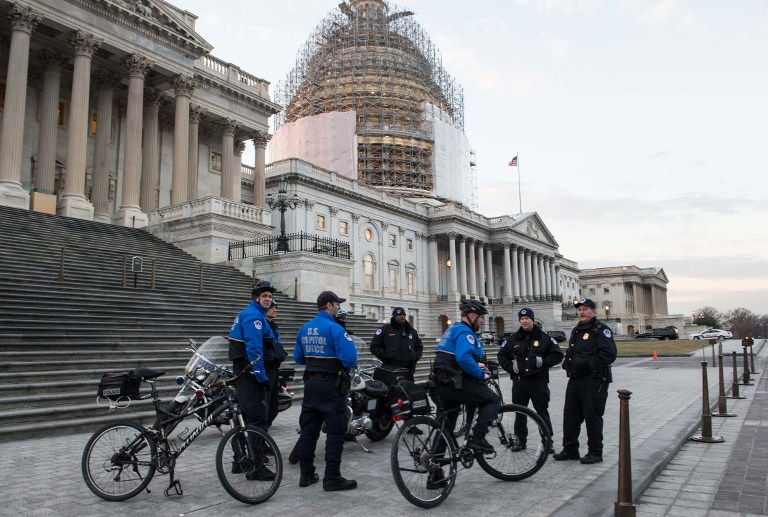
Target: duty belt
{"x": 325, "y": 376}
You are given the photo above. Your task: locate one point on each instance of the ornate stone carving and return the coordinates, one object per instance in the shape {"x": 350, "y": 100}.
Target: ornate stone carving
{"x": 239, "y": 148}
{"x": 51, "y": 59}
{"x": 334, "y": 210}
{"x": 195, "y": 113}
{"x": 23, "y": 18}
{"x": 355, "y": 218}
{"x": 166, "y": 122}
{"x": 105, "y": 80}
{"x": 138, "y": 66}
{"x": 122, "y": 108}
{"x": 140, "y": 8}
{"x": 533, "y": 229}
{"x": 260, "y": 138}
{"x": 229, "y": 126}
{"x": 155, "y": 97}
{"x": 84, "y": 44}
{"x": 183, "y": 85}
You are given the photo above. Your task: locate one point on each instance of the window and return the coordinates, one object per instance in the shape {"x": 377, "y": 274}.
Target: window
{"x": 393, "y": 279}
{"x": 409, "y": 276}
{"x": 60, "y": 114}
{"x": 343, "y": 227}
{"x": 392, "y": 239}
{"x": 368, "y": 234}
{"x": 320, "y": 222}
{"x": 369, "y": 272}
{"x": 606, "y": 290}
{"x": 215, "y": 161}
{"x": 592, "y": 290}
{"x": 409, "y": 244}
{"x": 93, "y": 123}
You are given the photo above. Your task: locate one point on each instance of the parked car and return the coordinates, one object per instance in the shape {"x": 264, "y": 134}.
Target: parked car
{"x": 557, "y": 335}
{"x": 712, "y": 334}
{"x": 664, "y": 333}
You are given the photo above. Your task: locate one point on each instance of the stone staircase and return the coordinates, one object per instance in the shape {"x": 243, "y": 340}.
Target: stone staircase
{"x": 58, "y": 336}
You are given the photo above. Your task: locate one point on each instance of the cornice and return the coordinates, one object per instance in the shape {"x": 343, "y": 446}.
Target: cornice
{"x": 217, "y": 87}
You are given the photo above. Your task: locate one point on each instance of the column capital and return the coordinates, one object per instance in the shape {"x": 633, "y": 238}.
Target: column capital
{"x": 452, "y": 235}
{"x": 51, "y": 60}
{"x": 402, "y": 230}
{"x": 334, "y": 210}
{"x": 229, "y": 126}
{"x": 195, "y": 113}
{"x": 183, "y": 85}
{"x": 384, "y": 225}
{"x": 507, "y": 245}
{"x": 239, "y": 148}
{"x": 138, "y": 66}
{"x": 105, "y": 80}
{"x": 84, "y": 44}
{"x": 154, "y": 97}
{"x": 23, "y": 18}
{"x": 431, "y": 238}
{"x": 166, "y": 121}
{"x": 355, "y": 218}
{"x": 260, "y": 138}
{"x": 122, "y": 108}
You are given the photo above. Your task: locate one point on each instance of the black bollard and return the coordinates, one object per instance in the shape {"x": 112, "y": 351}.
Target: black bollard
{"x": 722, "y": 410}
{"x": 752, "y": 357}
{"x": 706, "y": 417}
{"x": 624, "y": 506}
{"x": 745, "y": 376}
{"x": 735, "y": 385}
{"x": 712, "y": 345}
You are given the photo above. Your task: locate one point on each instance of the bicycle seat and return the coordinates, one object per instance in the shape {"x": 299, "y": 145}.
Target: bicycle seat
{"x": 147, "y": 373}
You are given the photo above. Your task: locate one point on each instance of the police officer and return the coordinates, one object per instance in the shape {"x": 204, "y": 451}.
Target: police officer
{"x": 398, "y": 344}
{"x": 591, "y": 351}
{"x": 461, "y": 376}
{"x": 527, "y": 355}
{"x": 328, "y": 353}
{"x": 247, "y": 339}
{"x": 274, "y": 354}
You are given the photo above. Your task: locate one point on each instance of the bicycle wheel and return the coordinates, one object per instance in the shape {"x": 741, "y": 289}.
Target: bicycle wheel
{"x": 118, "y": 461}
{"x": 514, "y": 458}
{"x": 249, "y": 464}
{"x": 423, "y": 462}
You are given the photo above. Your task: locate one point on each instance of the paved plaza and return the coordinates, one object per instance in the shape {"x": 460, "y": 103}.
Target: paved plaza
{"x": 674, "y": 476}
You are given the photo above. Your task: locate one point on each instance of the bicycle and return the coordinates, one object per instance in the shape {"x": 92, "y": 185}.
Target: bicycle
{"x": 120, "y": 459}
{"x": 426, "y": 455}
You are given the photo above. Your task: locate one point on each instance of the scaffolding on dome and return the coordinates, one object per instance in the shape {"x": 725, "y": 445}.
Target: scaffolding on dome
{"x": 385, "y": 68}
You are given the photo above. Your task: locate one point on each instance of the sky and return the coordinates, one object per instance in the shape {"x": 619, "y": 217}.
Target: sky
{"x": 637, "y": 124}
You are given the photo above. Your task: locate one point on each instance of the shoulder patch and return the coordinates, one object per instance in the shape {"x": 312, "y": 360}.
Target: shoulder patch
{"x": 346, "y": 336}
{"x": 503, "y": 344}
{"x": 471, "y": 338}
{"x": 607, "y": 332}
{"x": 378, "y": 332}
{"x": 554, "y": 341}
{"x": 257, "y": 324}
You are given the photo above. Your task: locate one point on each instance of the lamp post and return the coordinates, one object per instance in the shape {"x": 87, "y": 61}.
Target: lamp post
{"x": 282, "y": 203}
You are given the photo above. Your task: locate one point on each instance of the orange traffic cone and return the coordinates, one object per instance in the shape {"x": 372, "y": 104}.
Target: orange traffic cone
{"x": 654, "y": 355}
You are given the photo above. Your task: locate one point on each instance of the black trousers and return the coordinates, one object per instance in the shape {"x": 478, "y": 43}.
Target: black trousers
{"x": 585, "y": 399}
{"x": 273, "y": 390}
{"x": 531, "y": 389}
{"x": 252, "y": 398}
{"x": 322, "y": 404}
{"x": 472, "y": 394}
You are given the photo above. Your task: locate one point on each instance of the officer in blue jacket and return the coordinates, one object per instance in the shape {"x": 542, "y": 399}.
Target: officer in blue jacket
{"x": 246, "y": 344}
{"x": 462, "y": 377}
{"x": 328, "y": 353}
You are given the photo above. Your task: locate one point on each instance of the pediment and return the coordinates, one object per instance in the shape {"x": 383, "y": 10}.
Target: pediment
{"x": 531, "y": 224}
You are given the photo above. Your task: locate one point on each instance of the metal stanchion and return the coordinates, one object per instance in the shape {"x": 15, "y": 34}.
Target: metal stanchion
{"x": 745, "y": 376}
{"x": 153, "y": 282}
{"x": 295, "y": 288}
{"x": 624, "y": 506}
{"x": 124, "y": 282}
{"x": 61, "y": 266}
{"x": 706, "y": 417}
{"x": 722, "y": 410}
{"x": 735, "y": 385}
{"x": 200, "y": 283}
{"x": 752, "y": 356}
{"x": 712, "y": 345}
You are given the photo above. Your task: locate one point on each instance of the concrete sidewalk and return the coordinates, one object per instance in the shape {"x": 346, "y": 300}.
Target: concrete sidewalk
{"x": 43, "y": 477}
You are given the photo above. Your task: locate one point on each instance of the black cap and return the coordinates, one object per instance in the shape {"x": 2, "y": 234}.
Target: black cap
{"x": 586, "y": 302}
{"x": 326, "y": 297}
{"x": 397, "y": 311}
{"x": 528, "y": 313}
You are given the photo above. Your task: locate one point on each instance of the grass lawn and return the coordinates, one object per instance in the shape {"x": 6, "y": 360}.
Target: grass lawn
{"x": 647, "y": 346}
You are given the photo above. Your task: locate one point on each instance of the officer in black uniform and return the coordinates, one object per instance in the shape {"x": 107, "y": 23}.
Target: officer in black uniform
{"x": 328, "y": 353}
{"x": 274, "y": 354}
{"x": 398, "y": 344}
{"x": 527, "y": 355}
{"x": 591, "y": 351}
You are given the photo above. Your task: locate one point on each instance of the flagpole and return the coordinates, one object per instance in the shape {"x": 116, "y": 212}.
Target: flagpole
{"x": 519, "y": 191}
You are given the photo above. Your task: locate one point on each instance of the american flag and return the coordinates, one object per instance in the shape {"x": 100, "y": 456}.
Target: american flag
{"x": 513, "y": 163}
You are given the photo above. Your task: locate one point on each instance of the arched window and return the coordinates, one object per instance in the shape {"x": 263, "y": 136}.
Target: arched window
{"x": 369, "y": 272}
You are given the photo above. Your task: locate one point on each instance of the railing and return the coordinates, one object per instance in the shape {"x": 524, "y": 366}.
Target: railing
{"x": 232, "y": 74}
{"x": 289, "y": 243}
{"x": 211, "y": 205}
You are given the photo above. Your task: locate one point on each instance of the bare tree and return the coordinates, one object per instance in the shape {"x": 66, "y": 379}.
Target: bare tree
{"x": 708, "y": 316}
{"x": 742, "y": 322}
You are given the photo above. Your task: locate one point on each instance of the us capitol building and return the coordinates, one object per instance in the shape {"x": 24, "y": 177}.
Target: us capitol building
{"x": 116, "y": 111}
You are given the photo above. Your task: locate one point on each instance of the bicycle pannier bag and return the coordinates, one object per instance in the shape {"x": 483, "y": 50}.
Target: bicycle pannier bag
{"x": 408, "y": 399}
{"x": 116, "y": 386}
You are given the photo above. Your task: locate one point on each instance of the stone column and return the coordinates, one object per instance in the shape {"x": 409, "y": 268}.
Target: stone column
{"x": 43, "y": 196}
{"x": 507, "y": 274}
{"x": 529, "y": 276}
{"x": 480, "y": 269}
{"x": 489, "y": 271}
{"x": 129, "y": 214}
{"x": 535, "y": 279}
{"x": 23, "y": 21}
{"x": 434, "y": 279}
{"x": 452, "y": 270}
{"x": 515, "y": 274}
{"x": 73, "y": 202}
{"x": 260, "y": 139}
{"x": 523, "y": 277}
{"x": 462, "y": 266}
{"x": 546, "y": 278}
{"x": 472, "y": 270}
{"x": 237, "y": 175}
{"x": 105, "y": 83}
{"x": 228, "y": 129}
{"x": 195, "y": 113}
{"x": 148, "y": 198}
{"x": 184, "y": 86}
